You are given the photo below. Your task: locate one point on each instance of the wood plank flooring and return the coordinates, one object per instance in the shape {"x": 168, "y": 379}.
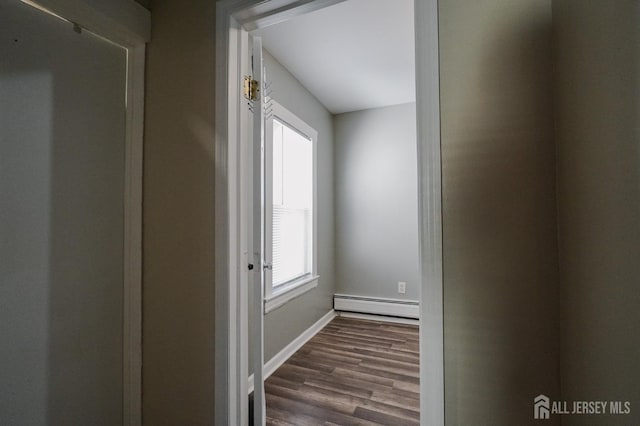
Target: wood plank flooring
{"x": 353, "y": 372}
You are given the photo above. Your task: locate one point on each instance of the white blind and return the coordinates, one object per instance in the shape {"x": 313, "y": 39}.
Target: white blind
{"x": 292, "y": 204}
{"x": 290, "y": 243}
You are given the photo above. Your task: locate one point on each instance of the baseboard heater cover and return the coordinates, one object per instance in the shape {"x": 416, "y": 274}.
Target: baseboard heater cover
{"x": 377, "y": 306}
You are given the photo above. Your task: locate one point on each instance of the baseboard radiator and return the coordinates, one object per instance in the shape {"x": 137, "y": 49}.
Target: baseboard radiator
{"x": 376, "y": 306}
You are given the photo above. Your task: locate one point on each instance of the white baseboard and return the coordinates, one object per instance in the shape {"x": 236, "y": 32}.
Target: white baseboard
{"x": 377, "y": 306}
{"x": 272, "y": 365}
{"x": 383, "y": 318}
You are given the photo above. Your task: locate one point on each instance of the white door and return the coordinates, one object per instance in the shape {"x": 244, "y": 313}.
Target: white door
{"x": 258, "y": 228}
{"x": 62, "y": 152}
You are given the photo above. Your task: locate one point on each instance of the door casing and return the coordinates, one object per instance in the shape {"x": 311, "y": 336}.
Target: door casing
{"x": 234, "y": 19}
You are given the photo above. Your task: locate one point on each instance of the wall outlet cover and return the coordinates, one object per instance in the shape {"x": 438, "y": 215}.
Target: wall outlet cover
{"x": 402, "y": 287}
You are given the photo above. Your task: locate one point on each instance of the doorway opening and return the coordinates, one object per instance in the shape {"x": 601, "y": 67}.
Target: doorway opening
{"x": 234, "y": 145}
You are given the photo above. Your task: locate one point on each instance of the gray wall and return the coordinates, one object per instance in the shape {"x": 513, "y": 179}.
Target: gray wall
{"x": 499, "y": 210}
{"x": 597, "y": 47}
{"x": 376, "y": 202}
{"x": 178, "y": 240}
{"x": 284, "y": 324}
{"x": 145, "y": 3}
{"x": 62, "y": 142}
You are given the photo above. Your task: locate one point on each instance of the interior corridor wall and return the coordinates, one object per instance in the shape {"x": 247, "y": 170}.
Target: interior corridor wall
{"x": 597, "y": 53}
{"x": 178, "y": 216}
{"x": 285, "y": 323}
{"x": 499, "y": 210}
{"x": 375, "y": 164}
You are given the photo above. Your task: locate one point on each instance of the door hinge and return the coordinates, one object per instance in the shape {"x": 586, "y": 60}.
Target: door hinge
{"x": 250, "y": 88}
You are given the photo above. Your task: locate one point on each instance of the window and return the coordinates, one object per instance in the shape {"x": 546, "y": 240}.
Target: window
{"x": 290, "y": 217}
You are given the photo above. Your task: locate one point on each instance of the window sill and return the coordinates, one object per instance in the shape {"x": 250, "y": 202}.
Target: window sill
{"x": 289, "y": 292}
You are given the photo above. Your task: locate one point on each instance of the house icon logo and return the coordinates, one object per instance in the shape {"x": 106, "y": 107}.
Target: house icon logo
{"x": 541, "y": 407}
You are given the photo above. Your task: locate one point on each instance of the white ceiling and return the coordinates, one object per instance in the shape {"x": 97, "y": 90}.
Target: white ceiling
{"x": 354, "y": 55}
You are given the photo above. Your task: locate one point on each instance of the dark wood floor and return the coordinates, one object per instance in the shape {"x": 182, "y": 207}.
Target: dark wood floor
{"x": 354, "y": 372}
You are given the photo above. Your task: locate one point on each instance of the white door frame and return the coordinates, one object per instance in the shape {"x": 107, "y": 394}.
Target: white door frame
{"x": 127, "y": 24}
{"x": 234, "y": 18}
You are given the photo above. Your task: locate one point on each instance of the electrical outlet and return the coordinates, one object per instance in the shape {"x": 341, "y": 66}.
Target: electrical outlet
{"x": 402, "y": 287}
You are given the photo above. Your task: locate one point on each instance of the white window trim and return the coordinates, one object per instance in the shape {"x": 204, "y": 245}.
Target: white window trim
{"x": 290, "y": 291}
{"x": 274, "y": 298}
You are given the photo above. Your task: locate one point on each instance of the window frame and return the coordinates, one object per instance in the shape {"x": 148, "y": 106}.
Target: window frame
{"x": 276, "y": 297}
